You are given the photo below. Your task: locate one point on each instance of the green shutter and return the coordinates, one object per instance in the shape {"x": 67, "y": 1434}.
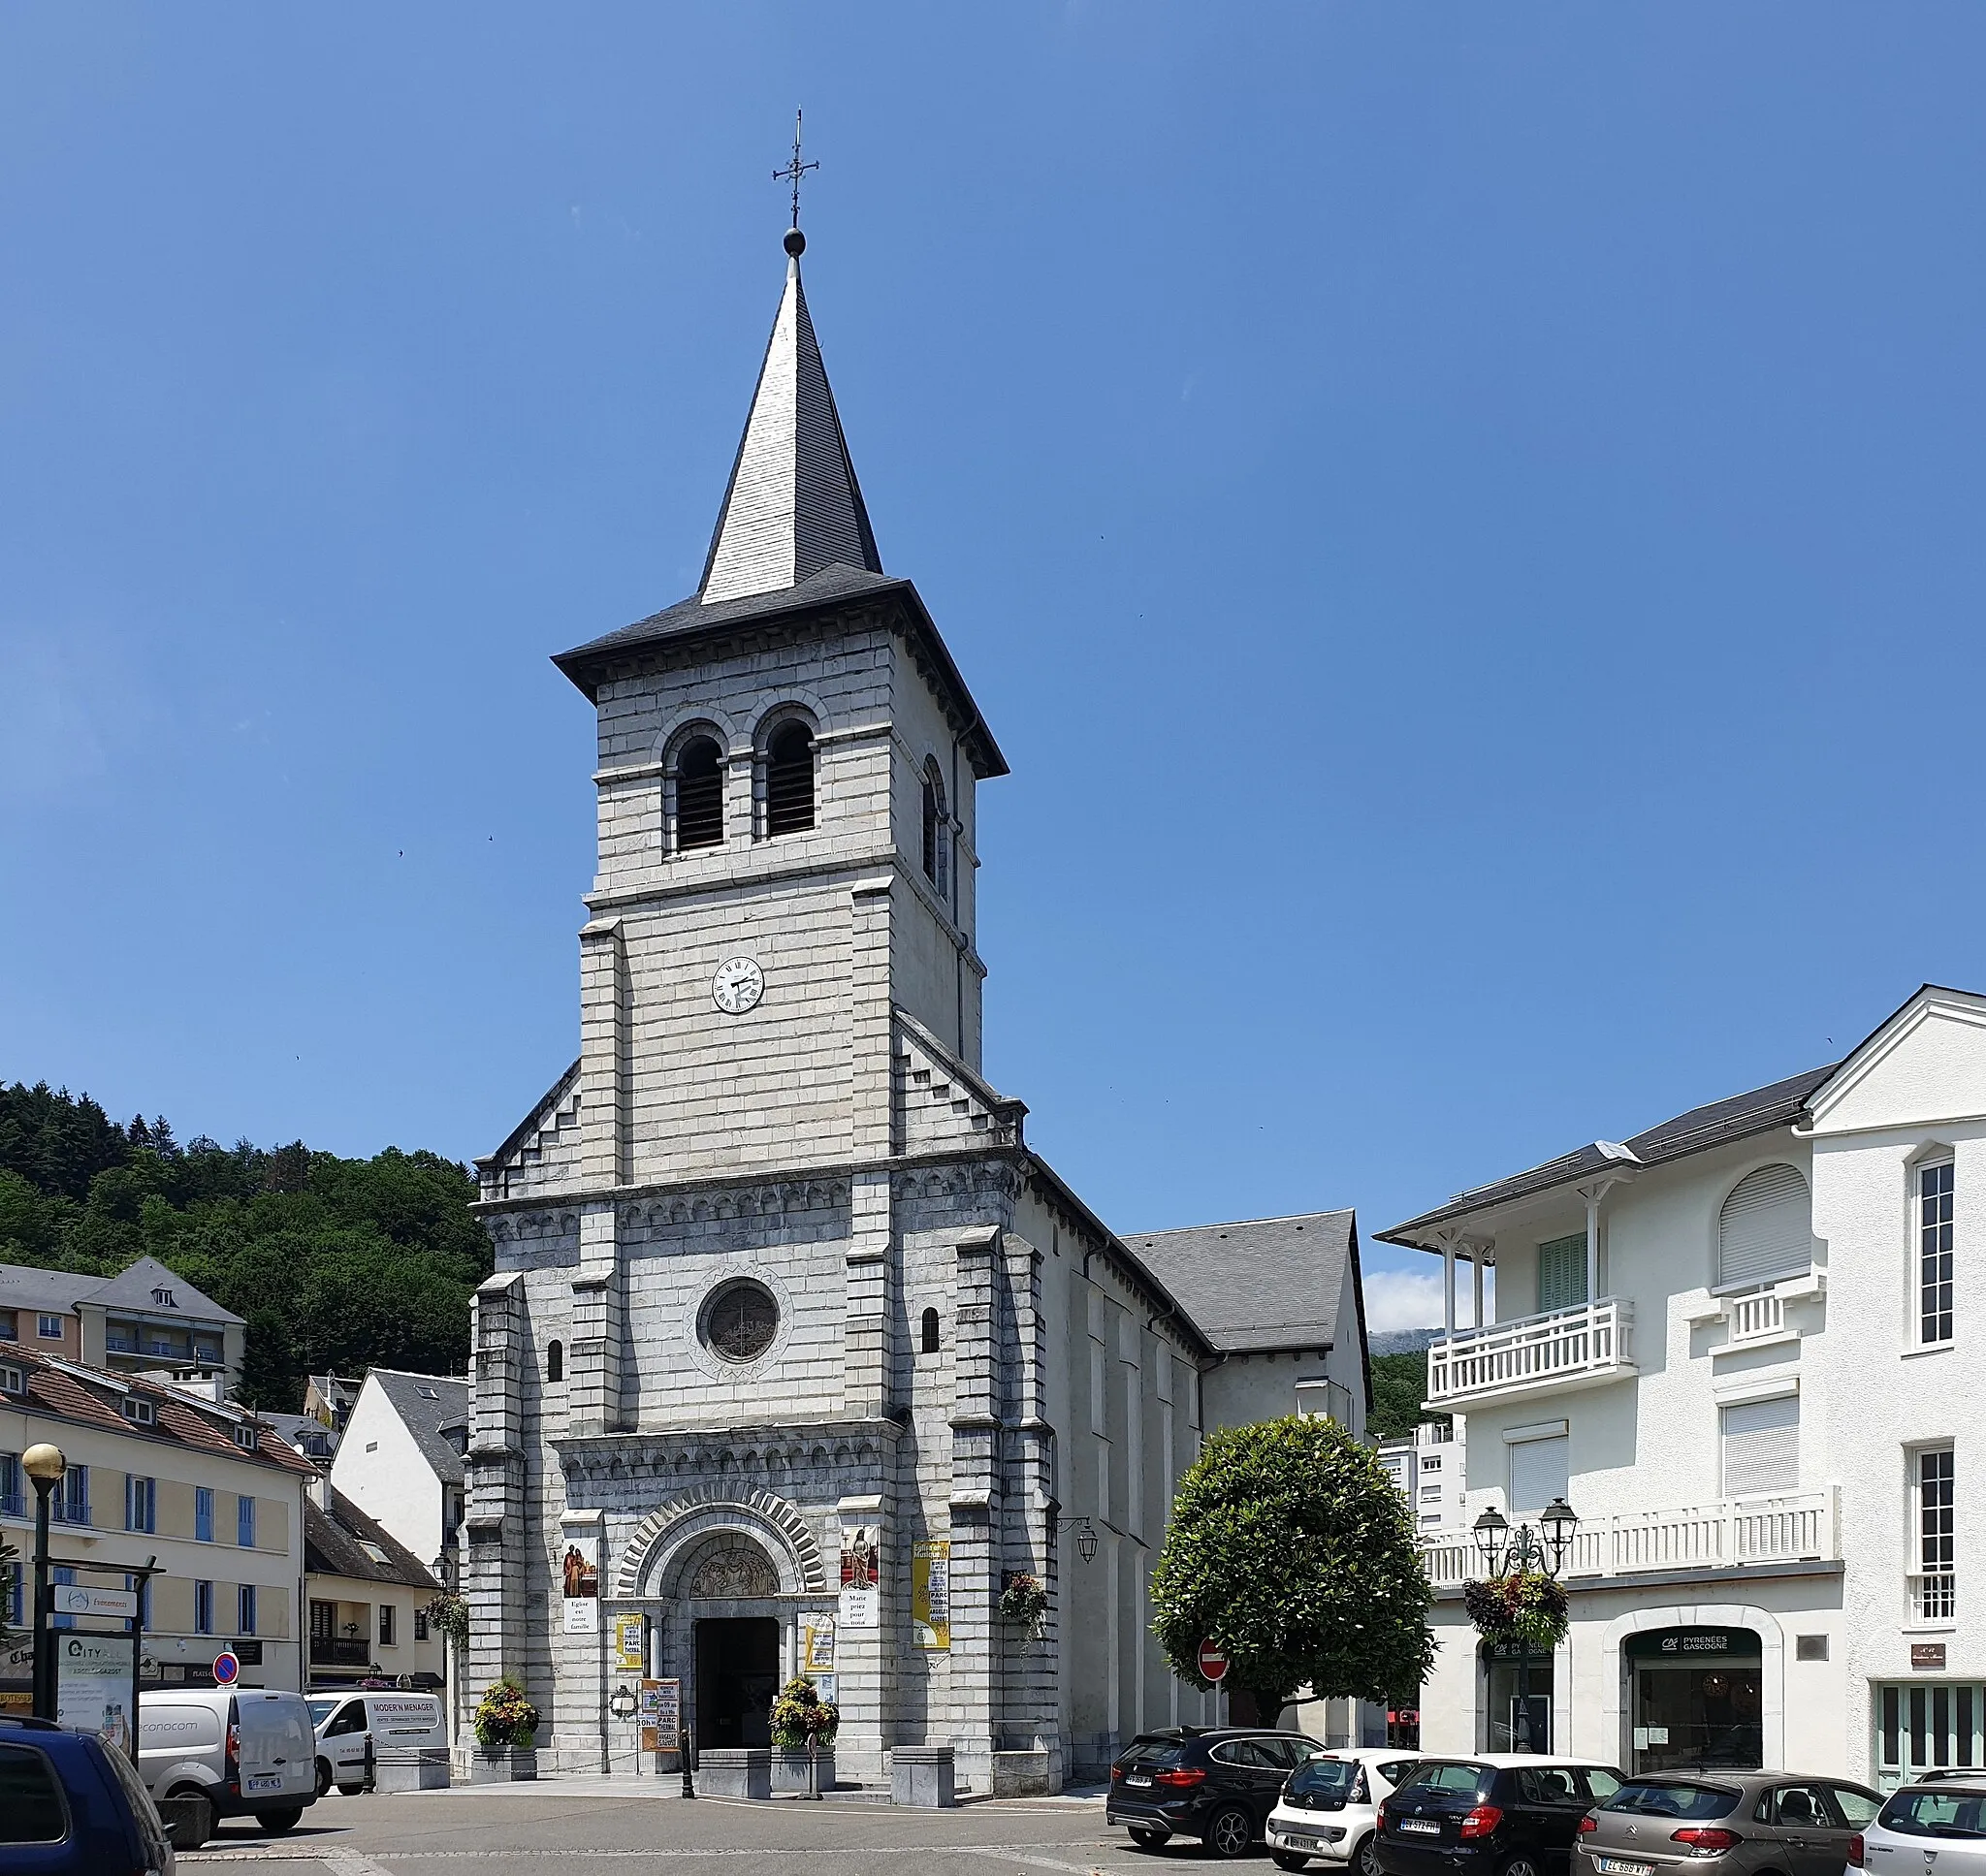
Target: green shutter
{"x": 1562, "y": 1272}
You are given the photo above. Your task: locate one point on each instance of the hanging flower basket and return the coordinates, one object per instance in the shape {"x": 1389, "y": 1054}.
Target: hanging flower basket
{"x": 1024, "y": 1602}
{"x": 1525, "y": 1607}
{"x": 448, "y": 1615}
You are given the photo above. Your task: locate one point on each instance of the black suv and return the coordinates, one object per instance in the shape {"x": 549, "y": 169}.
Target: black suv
{"x": 1218, "y": 1783}
{"x": 1504, "y": 1814}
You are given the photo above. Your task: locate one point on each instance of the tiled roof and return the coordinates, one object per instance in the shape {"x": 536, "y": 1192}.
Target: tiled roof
{"x": 425, "y": 1404}
{"x": 67, "y": 1390}
{"x": 1258, "y": 1284}
{"x": 334, "y": 1541}
{"x": 1718, "y": 1123}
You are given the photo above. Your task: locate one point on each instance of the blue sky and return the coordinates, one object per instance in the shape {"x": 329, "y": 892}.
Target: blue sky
{"x": 1466, "y": 523}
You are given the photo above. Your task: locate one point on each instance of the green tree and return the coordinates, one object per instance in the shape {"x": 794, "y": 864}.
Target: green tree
{"x": 1400, "y": 1384}
{"x": 1291, "y": 1548}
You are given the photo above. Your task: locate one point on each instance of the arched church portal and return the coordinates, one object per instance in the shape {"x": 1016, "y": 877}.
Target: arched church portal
{"x": 733, "y": 1634}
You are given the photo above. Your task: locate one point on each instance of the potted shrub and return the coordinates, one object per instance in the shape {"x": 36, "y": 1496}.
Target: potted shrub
{"x": 1024, "y": 1602}
{"x": 803, "y": 1728}
{"x": 506, "y": 1734}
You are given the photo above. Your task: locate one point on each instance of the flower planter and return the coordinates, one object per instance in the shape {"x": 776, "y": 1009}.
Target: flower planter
{"x": 505, "y": 1765}
{"x": 789, "y": 1770}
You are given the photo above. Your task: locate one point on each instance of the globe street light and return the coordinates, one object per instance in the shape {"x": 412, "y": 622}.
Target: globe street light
{"x": 45, "y": 1465}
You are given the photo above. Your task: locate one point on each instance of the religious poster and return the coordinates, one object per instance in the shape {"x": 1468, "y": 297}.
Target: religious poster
{"x": 931, "y": 1592}
{"x": 861, "y": 1601}
{"x": 579, "y": 1571}
{"x": 817, "y": 1645}
{"x": 630, "y": 1643}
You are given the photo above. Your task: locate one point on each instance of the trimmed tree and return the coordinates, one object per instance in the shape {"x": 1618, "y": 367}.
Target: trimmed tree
{"x": 1291, "y": 1548}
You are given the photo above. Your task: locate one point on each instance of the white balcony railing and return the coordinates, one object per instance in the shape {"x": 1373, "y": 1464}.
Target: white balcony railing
{"x": 1563, "y": 1346}
{"x": 1935, "y": 1597}
{"x": 1697, "y": 1536}
{"x": 1753, "y": 1318}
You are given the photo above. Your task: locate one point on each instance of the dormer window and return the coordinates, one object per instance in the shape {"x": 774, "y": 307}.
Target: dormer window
{"x": 13, "y": 1380}
{"x": 789, "y": 780}
{"x": 163, "y": 1297}
{"x": 700, "y": 795}
{"x": 245, "y": 1437}
{"x": 137, "y": 1410}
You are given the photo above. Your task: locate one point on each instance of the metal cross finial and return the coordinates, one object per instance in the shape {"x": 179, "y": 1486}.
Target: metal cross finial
{"x": 795, "y": 170}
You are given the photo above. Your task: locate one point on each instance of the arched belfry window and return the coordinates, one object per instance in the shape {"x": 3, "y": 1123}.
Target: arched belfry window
{"x": 935, "y": 827}
{"x": 555, "y": 1362}
{"x": 928, "y": 1333}
{"x": 699, "y": 794}
{"x": 789, "y": 780}
{"x": 1766, "y": 1228}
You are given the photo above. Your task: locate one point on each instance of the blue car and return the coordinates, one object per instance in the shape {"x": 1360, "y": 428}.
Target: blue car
{"x": 72, "y": 1807}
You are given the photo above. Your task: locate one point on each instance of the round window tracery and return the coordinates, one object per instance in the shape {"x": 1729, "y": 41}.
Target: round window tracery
{"x": 740, "y": 1321}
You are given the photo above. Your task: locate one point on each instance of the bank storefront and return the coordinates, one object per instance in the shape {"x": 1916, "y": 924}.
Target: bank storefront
{"x": 1694, "y": 1697}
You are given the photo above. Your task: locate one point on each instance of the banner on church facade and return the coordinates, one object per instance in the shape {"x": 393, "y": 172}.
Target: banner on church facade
{"x": 859, "y": 1606}
{"x": 817, "y": 1643}
{"x": 630, "y": 1643}
{"x": 931, "y": 1592}
{"x": 579, "y": 1573}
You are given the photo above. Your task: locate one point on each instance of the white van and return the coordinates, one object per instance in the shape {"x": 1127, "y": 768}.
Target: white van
{"x": 346, "y": 1723}
{"x": 246, "y": 1750}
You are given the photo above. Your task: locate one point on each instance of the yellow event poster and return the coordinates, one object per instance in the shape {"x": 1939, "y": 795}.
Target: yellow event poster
{"x": 630, "y": 1644}
{"x": 931, "y": 1592}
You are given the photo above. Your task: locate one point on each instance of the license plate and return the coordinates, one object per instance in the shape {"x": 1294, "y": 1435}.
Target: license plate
{"x": 1622, "y": 1866}
{"x": 271, "y": 1784}
{"x": 1300, "y": 1843}
{"x": 1138, "y": 1778}
{"x": 1419, "y": 1828}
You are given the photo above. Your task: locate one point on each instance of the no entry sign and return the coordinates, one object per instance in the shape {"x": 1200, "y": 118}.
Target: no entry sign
{"x": 1213, "y": 1661}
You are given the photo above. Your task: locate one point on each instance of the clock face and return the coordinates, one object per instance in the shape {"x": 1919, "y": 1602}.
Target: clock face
{"x": 738, "y": 986}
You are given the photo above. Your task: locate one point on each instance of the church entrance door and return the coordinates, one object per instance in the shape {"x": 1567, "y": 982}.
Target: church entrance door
{"x": 737, "y": 1675}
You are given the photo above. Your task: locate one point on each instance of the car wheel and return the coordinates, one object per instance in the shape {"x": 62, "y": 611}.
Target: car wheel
{"x": 1229, "y": 1832}
{"x": 350, "y": 1791}
{"x": 1289, "y": 1858}
{"x": 275, "y": 1823}
{"x": 1150, "y": 1839}
{"x": 323, "y": 1776}
{"x": 1366, "y": 1855}
{"x": 1520, "y": 1866}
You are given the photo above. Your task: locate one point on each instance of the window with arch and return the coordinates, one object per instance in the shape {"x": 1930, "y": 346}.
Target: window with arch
{"x": 1766, "y": 1228}
{"x": 935, "y": 826}
{"x": 927, "y": 1333}
{"x": 790, "y": 779}
{"x": 699, "y": 794}
{"x": 555, "y": 1362}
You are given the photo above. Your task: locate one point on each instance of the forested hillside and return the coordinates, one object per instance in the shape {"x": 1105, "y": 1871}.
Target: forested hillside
{"x": 1400, "y": 1384}
{"x": 334, "y": 1263}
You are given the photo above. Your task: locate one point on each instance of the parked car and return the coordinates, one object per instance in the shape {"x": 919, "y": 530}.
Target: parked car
{"x": 1504, "y": 1814}
{"x": 1329, "y": 1808}
{"x": 249, "y": 1751}
{"x": 1746, "y": 1823}
{"x": 72, "y": 1807}
{"x": 351, "y": 1728}
{"x": 1945, "y": 1818}
{"x": 1218, "y": 1783}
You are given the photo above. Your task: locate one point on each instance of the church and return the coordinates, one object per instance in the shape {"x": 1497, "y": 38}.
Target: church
{"x": 797, "y": 1357}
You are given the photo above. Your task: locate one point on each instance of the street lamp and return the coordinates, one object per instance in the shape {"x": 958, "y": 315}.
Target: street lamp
{"x": 45, "y": 1465}
{"x": 442, "y": 1570}
{"x": 1542, "y": 1550}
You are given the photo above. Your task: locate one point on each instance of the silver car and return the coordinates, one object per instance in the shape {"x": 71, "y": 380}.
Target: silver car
{"x": 1935, "y": 1827}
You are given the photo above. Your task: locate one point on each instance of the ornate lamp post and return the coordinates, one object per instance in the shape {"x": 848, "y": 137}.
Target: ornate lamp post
{"x": 45, "y": 1465}
{"x": 442, "y": 1570}
{"x": 1539, "y": 1550}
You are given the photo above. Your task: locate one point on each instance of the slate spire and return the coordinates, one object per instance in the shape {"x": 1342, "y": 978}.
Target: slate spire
{"x": 793, "y": 505}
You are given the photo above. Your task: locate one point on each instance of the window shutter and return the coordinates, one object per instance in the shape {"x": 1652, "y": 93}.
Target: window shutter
{"x": 1762, "y": 1446}
{"x": 1766, "y": 1228}
{"x": 1538, "y": 1472}
{"x": 1562, "y": 1272}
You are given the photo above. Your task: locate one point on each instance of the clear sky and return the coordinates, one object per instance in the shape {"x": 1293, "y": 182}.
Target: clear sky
{"x": 1466, "y": 522}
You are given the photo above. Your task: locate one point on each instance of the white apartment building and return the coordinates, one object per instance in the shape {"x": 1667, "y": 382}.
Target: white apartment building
{"x": 1428, "y": 1467}
{"x": 1742, "y": 1345}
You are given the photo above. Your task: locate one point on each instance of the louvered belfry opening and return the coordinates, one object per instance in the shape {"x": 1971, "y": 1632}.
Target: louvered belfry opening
{"x": 700, "y": 795}
{"x": 789, "y": 780}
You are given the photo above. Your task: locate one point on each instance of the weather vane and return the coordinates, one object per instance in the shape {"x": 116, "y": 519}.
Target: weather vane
{"x": 795, "y": 170}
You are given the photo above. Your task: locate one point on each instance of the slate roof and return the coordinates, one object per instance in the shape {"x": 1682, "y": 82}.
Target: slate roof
{"x": 132, "y": 1289}
{"x": 1258, "y": 1284}
{"x": 425, "y": 1418}
{"x": 61, "y": 1390}
{"x": 25, "y": 1288}
{"x": 1718, "y": 1123}
{"x": 334, "y": 1544}
{"x": 295, "y": 1427}
{"x": 792, "y": 505}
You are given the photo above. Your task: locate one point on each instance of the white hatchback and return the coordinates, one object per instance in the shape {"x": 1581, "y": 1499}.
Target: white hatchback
{"x": 1329, "y": 1808}
{"x": 1937, "y": 1823}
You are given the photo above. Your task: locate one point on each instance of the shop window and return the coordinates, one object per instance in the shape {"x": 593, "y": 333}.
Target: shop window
{"x": 1694, "y": 1699}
